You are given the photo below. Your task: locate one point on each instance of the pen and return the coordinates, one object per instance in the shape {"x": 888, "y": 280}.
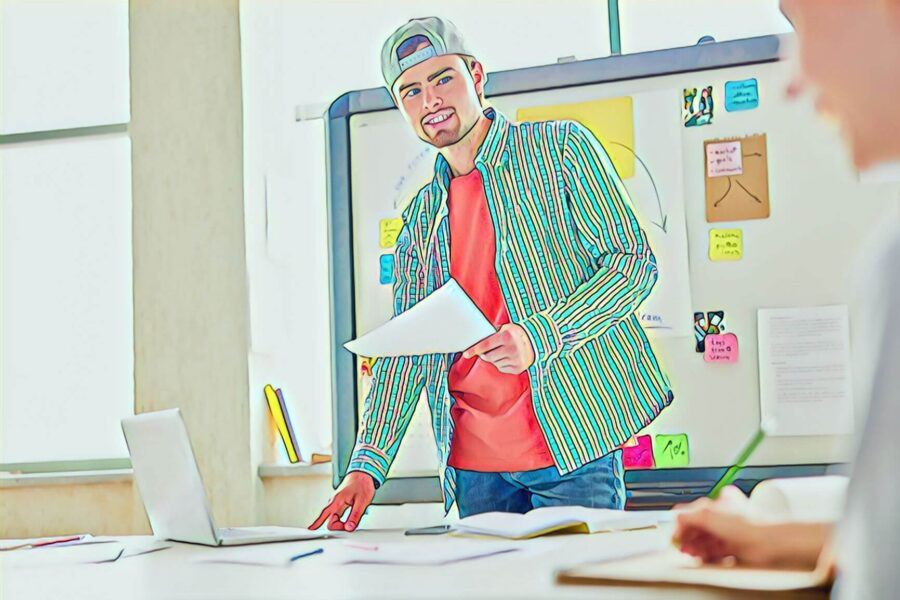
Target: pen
{"x": 50, "y": 542}
{"x": 304, "y": 554}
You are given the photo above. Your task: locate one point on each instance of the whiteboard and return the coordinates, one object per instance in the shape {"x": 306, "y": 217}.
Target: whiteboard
{"x": 804, "y": 254}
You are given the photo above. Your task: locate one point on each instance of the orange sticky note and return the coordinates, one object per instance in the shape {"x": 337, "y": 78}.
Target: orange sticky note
{"x": 721, "y": 348}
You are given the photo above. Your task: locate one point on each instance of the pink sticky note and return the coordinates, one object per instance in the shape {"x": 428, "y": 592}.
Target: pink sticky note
{"x": 639, "y": 456}
{"x": 721, "y": 347}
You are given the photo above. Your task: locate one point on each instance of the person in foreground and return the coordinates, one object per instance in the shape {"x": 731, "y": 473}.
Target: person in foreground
{"x": 848, "y": 49}
{"x": 534, "y": 223}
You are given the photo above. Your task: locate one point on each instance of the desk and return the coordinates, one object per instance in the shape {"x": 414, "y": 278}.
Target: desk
{"x": 173, "y": 573}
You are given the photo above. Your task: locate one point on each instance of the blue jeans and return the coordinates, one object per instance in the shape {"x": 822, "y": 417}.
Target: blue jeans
{"x": 598, "y": 484}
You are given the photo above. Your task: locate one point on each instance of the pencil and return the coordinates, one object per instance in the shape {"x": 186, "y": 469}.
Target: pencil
{"x": 732, "y": 472}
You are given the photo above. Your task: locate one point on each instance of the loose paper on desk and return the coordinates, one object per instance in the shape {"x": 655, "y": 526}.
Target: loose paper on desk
{"x": 446, "y": 321}
{"x": 444, "y": 552}
{"x": 804, "y": 370}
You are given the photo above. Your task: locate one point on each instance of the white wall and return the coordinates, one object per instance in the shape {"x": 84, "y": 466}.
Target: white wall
{"x": 309, "y": 53}
{"x": 66, "y": 330}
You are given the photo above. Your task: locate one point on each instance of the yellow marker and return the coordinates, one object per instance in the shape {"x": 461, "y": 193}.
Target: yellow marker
{"x": 389, "y": 231}
{"x": 726, "y": 244}
{"x": 611, "y": 120}
{"x": 280, "y": 422}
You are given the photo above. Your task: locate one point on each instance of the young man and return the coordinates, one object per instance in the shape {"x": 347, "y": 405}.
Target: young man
{"x": 535, "y": 225}
{"x": 835, "y": 37}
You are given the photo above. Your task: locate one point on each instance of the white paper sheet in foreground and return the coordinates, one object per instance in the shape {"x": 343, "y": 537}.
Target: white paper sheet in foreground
{"x": 804, "y": 370}
{"x": 446, "y": 552}
{"x": 444, "y": 322}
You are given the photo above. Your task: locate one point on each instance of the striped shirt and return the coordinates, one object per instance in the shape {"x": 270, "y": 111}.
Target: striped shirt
{"x": 573, "y": 265}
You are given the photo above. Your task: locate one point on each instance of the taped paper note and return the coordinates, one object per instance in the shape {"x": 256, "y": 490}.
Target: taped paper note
{"x": 611, "y": 120}
{"x": 640, "y": 455}
{"x": 671, "y": 451}
{"x": 721, "y": 348}
{"x": 741, "y": 95}
{"x": 805, "y": 384}
{"x": 723, "y": 158}
{"x": 726, "y": 244}
{"x": 389, "y": 230}
{"x": 446, "y": 321}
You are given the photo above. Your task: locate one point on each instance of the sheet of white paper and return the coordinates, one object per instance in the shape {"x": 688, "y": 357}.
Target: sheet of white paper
{"x": 269, "y": 555}
{"x": 657, "y": 193}
{"x": 96, "y": 552}
{"x": 805, "y": 385}
{"x": 430, "y": 553}
{"x": 444, "y": 322}
{"x": 887, "y": 172}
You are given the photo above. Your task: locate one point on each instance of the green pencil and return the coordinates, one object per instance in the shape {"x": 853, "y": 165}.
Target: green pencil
{"x": 732, "y": 473}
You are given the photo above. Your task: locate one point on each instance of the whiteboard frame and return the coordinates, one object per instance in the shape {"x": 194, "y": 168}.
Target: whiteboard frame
{"x": 677, "y": 484}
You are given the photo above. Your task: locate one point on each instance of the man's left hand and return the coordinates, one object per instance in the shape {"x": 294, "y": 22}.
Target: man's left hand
{"x": 509, "y": 350}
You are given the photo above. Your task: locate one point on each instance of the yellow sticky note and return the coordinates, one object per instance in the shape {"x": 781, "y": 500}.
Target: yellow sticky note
{"x": 726, "y": 244}
{"x": 389, "y": 230}
{"x": 611, "y": 120}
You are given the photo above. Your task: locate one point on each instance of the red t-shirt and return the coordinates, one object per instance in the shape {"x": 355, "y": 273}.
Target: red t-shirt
{"x": 496, "y": 429}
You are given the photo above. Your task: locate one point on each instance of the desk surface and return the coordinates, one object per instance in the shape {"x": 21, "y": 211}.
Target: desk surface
{"x": 174, "y": 573}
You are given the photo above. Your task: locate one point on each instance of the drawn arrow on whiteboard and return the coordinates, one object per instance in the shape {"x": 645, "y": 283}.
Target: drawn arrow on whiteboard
{"x": 663, "y": 218}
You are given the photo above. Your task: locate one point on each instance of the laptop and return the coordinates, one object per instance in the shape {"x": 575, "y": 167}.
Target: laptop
{"x": 170, "y": 485}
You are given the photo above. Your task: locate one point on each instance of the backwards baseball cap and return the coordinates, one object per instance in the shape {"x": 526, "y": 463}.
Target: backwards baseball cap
{"x": 400, "y": 50}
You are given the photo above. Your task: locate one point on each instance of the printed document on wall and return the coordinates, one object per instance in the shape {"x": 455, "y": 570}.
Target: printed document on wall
{"x": 805, "y": 383}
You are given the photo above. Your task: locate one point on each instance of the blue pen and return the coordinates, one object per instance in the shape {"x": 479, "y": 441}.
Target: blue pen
{"x": 310, "y": 553}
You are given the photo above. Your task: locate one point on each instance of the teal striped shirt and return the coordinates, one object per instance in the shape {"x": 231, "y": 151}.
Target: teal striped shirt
{"x": 573, "y": 266}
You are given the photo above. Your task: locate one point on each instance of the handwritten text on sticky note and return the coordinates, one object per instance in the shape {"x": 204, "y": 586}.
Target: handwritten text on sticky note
{"x": 741, "y": 95}
{"x": 726, "y": 244}
{"x": 721, "y": 348}
{"x": 386, "y": 269}
{"x": 389, "y": 229}
{"x": 671, "y": 450}
{"x": 724, "y": 158}
{"x": 639, "y": 455}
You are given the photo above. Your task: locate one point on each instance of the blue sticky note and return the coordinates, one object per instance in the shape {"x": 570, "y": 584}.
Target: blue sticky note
{"x": 386, "y": 272}
{"x": 741, "y": 95}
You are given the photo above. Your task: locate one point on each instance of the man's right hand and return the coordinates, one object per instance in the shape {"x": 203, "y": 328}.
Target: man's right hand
{"x": 356, "y": 492}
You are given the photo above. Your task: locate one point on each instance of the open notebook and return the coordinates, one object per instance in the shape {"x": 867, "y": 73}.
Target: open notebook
{"x": 670, "y": 567}
{"x": 553, "y": 519}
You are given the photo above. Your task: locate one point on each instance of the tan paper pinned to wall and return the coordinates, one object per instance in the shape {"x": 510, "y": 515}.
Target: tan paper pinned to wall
{"x": 736, "y": 190}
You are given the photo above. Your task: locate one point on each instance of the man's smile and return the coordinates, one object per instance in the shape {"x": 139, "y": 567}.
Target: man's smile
{"x": 438, "y": 117}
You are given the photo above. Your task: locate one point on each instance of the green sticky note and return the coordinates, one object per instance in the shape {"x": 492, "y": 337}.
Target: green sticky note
{"x": 671, "y": 451}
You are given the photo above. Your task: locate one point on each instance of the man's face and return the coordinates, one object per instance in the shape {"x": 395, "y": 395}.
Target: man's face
{"x": 439, "y": 98}
{"x": 849, "y": 54}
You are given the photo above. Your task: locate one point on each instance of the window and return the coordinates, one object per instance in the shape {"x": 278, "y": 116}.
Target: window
{"x": 658, "y": 24}
{"x": 66, "y": 335}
